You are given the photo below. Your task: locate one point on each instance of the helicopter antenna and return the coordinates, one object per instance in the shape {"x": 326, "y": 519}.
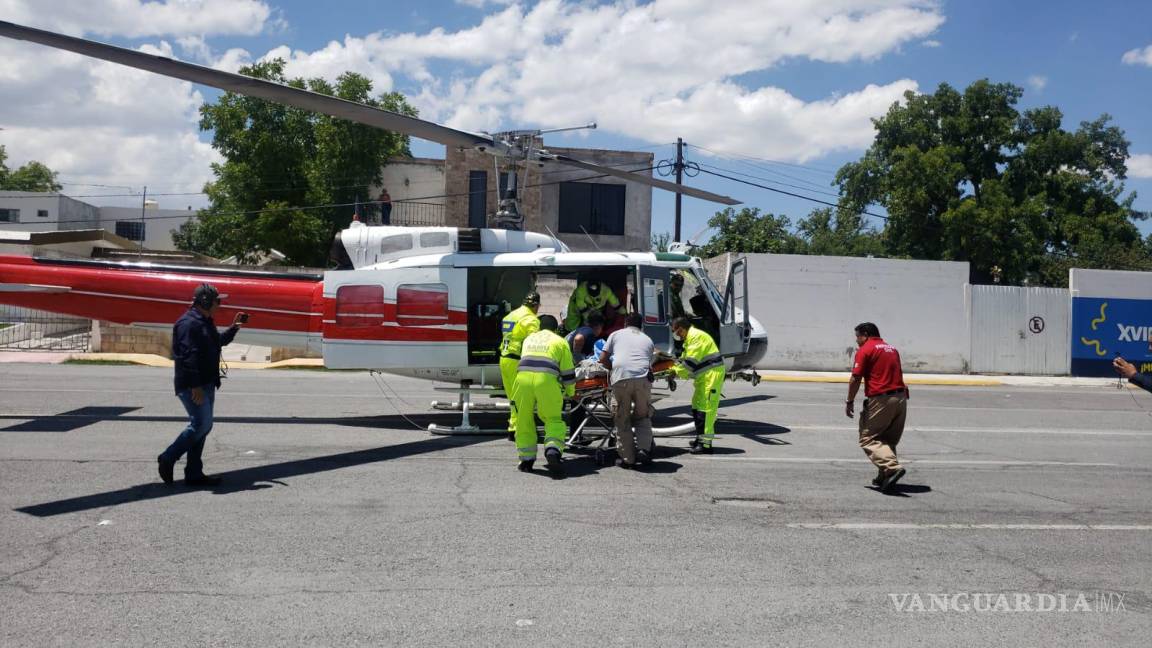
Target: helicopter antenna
{"x": 590, "y": 238}
{"x": 553, "y": 235}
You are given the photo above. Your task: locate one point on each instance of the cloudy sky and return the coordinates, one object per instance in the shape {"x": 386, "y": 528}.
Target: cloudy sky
{"x": 778, "y": 92}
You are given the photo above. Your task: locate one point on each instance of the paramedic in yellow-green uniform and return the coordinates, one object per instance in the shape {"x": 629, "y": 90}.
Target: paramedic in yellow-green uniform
{"x": 545, "y": 376}
{"x": 589, "y": 297}
{"x": 515, "y": 327}
{"x": 702, "y": 362}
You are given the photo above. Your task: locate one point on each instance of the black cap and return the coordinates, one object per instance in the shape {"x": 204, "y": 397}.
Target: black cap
{"x": 532, "y": 297}
{"x": 205, "y": 296}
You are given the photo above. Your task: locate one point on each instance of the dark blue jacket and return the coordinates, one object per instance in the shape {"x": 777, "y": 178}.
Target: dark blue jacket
{"x": 196, "y": 350}
{"x": 1144, "y": 381}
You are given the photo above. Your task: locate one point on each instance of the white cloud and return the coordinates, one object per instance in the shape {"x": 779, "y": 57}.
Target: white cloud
{"x": 931, "y": 43}
{"x": 560, "y": 63}
{"x": 1140, "y": 166}
{"x": 137, "y": 18}
{"x": 651, "y": 71}
{"x": 1038, "y": 82}
{"x": 100, "y": 122}
{"x": 1138, "y": 56}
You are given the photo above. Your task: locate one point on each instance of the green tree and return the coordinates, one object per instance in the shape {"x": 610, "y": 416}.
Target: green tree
{"x": 749, "y": 231}
{"x": 279, "y": 160}
{"x": 33, "y": 176}
{"x": 838, "y": 233}
{"x": 661, "y": 241}
{"x": 967, "y": 177}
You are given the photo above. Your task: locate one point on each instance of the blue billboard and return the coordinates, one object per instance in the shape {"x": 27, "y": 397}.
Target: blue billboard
{"x": 1103, "y": 328}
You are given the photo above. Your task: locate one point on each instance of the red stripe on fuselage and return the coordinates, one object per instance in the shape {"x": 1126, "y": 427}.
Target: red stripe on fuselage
{"x": 125, "y": 295}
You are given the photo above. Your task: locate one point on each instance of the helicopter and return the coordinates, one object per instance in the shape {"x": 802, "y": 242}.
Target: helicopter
{"x": 424, "y": 302}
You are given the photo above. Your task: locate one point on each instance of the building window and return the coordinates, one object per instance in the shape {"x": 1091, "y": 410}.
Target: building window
{"x": 592, "y": 207}
{"x": 9, "y": 215}
{"x": 42, "y": 213}
{"x": 359, "y": 306}
{"x": 422, "y": 304}
{"x": 477, "y": 199}
{"x": 131, "y": 230}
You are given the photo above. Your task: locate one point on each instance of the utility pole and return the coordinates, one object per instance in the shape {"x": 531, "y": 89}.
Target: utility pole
{"x": 679, "y": 180}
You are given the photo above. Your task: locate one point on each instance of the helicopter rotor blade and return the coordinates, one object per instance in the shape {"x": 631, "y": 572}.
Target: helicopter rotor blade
{"x": 642, "y": 179}
{"x": 259, "y": 88}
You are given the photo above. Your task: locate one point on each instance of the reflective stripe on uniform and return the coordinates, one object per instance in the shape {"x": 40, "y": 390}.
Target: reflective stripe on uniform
{"x": 568, "y": 377}
{"x": 538, "y": 364}
{"x": 708, "y": 362}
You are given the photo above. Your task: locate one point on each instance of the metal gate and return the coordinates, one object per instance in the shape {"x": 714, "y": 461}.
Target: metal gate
{"x": 1018, "y": 330}
{"x": 24, "y": 329}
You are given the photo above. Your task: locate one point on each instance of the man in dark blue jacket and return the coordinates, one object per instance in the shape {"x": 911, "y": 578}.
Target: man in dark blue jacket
{"x": 196, "y": 347}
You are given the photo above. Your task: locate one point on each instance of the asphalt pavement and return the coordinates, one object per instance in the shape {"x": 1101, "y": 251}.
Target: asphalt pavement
{"x": 341, "y": 521}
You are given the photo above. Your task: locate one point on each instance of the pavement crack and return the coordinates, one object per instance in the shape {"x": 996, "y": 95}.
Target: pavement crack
{"x": 52, "y": 545}
{"x": 462, "y": 489}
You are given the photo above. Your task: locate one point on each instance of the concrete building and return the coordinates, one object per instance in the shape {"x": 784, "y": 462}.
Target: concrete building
{"x": 25, "y": 211}
{"x": 587, "y": 213}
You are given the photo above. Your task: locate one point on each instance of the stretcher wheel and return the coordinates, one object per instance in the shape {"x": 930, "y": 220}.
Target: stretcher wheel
{"x": 671, "y": 385}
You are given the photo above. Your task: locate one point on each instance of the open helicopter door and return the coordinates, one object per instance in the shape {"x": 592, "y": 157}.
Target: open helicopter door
{"x": 735, "y": 327}
{"x": 654, "y": 306}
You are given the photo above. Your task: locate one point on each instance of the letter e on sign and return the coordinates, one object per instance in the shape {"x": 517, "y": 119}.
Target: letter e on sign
{"x": 1036, "y": 324}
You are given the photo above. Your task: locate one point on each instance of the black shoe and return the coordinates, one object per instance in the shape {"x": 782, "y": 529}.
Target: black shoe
{"x": 511, "y": 437}
{"x": 891, "y": 479}
{"x": 526, "y": 465}
{"x": 643, "y": 457}
{"x": 165, "y": 468}
{"x": 555, "y": 463}
{"x": 699, "y": 448}
{"x": 620, "y": 463}
{"x": 878, "y": 479}
{"x": 203, "y": 480}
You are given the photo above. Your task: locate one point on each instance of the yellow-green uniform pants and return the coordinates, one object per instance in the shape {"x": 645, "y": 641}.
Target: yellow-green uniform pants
{"x": 542, "y": 392}
{"x": 508, "y": 379}
{"x": 706, "y": 398}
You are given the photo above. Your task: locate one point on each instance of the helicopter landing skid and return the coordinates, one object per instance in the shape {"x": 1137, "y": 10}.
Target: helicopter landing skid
{"x": 464, "y": 406}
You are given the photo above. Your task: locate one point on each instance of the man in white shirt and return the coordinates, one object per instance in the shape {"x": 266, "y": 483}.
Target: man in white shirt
{"x": 628, "y": 352}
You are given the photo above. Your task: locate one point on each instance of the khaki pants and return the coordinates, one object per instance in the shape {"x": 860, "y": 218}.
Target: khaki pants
{"x": 881, "y": 426}
{"x": 633, "y": 408}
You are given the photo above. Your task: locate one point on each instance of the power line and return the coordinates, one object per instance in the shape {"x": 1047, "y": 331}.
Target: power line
{"x": 786, "y": 193}
{"x": 704, "y": 165}
{"x": 760, "y": 159}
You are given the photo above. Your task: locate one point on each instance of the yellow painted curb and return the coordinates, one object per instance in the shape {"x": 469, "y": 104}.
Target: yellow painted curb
{"x": 974, "y": 382}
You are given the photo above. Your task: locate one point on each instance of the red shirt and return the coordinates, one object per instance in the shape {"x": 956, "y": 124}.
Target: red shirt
{"x": 878, "y": 363}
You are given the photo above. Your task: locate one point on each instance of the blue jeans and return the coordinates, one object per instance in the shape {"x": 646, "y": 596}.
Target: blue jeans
{"x": 191, "y": 440}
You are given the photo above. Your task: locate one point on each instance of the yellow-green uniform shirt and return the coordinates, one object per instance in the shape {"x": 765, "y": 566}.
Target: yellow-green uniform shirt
{"x": 546, "y": 352}
{"x": 515, "y": 327}
{"x": 700, "y": 355}
{"x": 581, "y": 304}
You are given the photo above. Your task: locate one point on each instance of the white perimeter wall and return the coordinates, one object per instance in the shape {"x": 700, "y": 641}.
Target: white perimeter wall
{"x": 810, "y": 304}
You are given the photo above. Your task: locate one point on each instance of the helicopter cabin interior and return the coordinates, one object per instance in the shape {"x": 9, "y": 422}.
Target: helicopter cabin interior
{"x": 495, "y": 292}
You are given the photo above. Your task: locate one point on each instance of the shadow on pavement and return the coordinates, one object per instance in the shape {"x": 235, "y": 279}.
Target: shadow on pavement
{"x": 254, "y": 478}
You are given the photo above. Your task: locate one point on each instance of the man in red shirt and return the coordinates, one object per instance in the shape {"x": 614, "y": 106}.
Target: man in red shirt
{"x": 885, "y": 403}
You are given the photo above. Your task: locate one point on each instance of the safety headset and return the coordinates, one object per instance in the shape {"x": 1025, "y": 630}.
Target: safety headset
{"x": 206, "y": 296}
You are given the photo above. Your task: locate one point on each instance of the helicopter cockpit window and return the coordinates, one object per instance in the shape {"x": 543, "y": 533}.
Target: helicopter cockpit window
{"x": 434, "y": 240}
{"x": 396, "y": 243}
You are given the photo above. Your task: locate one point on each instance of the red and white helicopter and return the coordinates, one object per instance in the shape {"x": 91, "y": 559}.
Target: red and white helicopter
{"x": 417, "y": 301}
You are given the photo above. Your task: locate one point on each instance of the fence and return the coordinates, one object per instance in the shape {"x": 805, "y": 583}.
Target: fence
{"x": 24, "y": 329}
{"x": 408, "y": 213}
